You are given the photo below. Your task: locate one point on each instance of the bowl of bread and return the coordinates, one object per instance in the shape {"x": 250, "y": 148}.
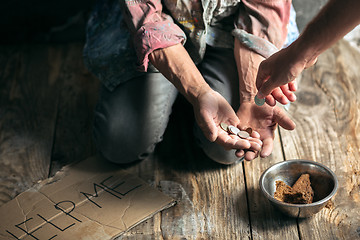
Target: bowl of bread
{"x": 299, "y": 188}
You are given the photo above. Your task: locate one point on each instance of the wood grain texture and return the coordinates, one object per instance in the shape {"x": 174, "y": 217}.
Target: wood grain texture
{"x": 78, "y": 93}
{"x": 211, "y": 197}
{"x": 28, "y": 103}
{"x": 266, "y": 221}
{"x": 327, "y": 118}
{"x": 46, "y": 102}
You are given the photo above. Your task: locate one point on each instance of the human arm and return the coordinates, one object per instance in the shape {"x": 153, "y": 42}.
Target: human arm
{"x": 260, "y": 24}
{"x": 210, "y": 107}
{"x": 334, "y": 21}
{"x": 264, "y": 119}
{"x": 158, "y": 40}
{"x": 150, "y": 28}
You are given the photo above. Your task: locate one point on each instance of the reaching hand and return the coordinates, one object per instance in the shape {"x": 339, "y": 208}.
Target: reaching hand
{"x": 276, "y": 76}
{"x": 263, "y": 119}
{"x": 211, "y": 109}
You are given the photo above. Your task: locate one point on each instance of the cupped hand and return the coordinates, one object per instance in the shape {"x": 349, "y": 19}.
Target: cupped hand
{"x": 211, "y": 109}
{"x": 276, "y": 76}
{"x": 264, "y": 119}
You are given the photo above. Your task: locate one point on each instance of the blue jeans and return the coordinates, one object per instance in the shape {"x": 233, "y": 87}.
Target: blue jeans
{"x": 131, "y": 119}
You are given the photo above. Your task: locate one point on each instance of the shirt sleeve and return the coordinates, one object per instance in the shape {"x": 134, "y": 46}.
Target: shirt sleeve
{"x": 265, "y": 19}
{"x": 150, "y": 27}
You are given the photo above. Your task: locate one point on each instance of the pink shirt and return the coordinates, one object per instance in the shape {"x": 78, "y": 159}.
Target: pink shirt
{"x": 155, "y": 24}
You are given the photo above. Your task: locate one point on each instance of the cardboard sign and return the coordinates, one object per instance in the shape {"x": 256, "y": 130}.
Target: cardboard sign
{"x": 89, "y": 200}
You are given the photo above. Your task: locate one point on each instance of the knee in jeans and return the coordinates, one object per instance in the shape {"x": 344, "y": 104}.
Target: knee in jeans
{"x": 122, "y": 152}
{"x": 120, "y": 149}
{"x": 220, "y": 155}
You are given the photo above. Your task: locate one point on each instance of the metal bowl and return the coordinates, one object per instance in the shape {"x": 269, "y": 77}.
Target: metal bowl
{"x": 323, "y": 181}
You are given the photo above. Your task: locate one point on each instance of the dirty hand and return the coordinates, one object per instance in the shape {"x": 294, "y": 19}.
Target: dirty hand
{"x": 211, "y": 109}
{"x": 264, "y": 119}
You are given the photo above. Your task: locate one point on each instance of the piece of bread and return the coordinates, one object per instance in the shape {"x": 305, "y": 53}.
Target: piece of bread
{"x": 303, "y": 185}
{"x": 301, "y": 192}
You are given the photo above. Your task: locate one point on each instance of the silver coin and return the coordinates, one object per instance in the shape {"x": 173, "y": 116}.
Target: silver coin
{"x": 224, "y": 126}
{"x": 232, "y": 129}
{"x": 259, "y": 101}
{"x": 243, "y": 134}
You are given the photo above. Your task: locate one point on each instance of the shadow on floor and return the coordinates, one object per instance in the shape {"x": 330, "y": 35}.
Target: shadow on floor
{"x": 179, "y": 150}
{"x": 263, "y": 215}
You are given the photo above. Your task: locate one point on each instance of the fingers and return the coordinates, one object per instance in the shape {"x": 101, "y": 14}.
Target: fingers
{"x": 261, "y": 79}
{"x": 252, "y": 152}
{"x": 270, "y": 100}
{"x": 266, "y": 88}
{"x": 292, "y": 86}
{"x": 282, "y": 94}
{"x": 209, "y": 128}
{"x": 250, "y": 155}
{"x": 288, "y": 93}
{"x": 283, "y": 119}
{"x": 255, "y": 134}
{"x": 278, "y": 86}
{"x": 247, "y": 148}
{"x": 278, "y": 94}
{"x": 270, "y": 76}
{"x": 232, "y": 141}
{"x": 255, "y": 143}
{"x": 268, "y": 145}
{"x": 240, "y": 153}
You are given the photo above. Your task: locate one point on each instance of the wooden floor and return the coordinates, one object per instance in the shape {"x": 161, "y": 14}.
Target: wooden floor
{"x": 46, "y": 105}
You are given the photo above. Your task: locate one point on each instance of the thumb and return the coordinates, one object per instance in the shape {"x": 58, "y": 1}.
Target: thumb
{"x": 208, "y": 127}
{"x": 283, "y": 120}
{"x": 312, "y": 62}
{"x": 266, "y": 88}
{"x": 262, "y": 78}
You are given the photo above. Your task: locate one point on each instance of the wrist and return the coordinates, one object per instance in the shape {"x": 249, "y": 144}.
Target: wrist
{"x": 248, "y": 65}
{"x": 248, "y": 96}
{"x": 303, "y": 52}
{"x": 193, "y": 92}
{"x": 176, "y": 65}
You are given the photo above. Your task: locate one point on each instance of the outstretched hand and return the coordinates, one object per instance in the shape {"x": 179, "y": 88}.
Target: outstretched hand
{"x": 211, "y": 109}
{"x": 264, "y": 119}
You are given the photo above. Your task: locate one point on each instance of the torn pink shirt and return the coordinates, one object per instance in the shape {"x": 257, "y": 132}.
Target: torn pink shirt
{"x": 152, "y": 29}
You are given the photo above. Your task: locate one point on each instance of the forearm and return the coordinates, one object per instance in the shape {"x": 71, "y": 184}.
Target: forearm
{"x": 176, "y": 65}
{"x": 264, "y": 24}
{"x": 247, "y": 63}
{"x": 150, "y": 28}
{"x": 334, "y": 21}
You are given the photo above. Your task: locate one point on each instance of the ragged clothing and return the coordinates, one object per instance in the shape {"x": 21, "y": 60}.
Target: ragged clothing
{"x": 122, "y": 33}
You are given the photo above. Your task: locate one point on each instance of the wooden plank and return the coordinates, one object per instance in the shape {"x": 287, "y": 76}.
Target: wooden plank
{"x": 73, "y": 139}
{"x": 266, "y": 221}
{"x": 211, "y": 197}
{"x": 28, "y": 103}
{"x": 327, "y": 118}
{"x": 78, "y": 93}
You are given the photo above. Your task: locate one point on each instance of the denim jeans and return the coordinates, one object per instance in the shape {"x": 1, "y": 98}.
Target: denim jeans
{"x": 131, "y": 119}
